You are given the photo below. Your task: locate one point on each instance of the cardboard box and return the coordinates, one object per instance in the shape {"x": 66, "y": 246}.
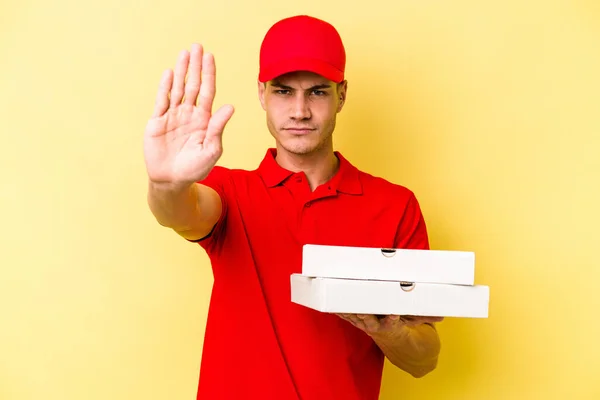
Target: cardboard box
{"x": 389, "y": 298}
{"x": 427, "y": 266}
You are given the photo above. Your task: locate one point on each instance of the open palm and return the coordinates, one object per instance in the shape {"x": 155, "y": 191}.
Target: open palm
{"x": 183, "y": 138}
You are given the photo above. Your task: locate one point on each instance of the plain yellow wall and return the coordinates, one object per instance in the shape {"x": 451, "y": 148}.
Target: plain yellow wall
{"x": 489, "y": 111}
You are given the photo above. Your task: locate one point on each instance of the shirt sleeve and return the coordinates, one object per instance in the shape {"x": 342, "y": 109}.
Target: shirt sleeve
{"x": 412, "y": 230}
{"x": 218, "y": 179}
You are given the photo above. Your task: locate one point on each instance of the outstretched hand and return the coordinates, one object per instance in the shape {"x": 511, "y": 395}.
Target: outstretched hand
{"x": 183, "y": 138}
{"x": 389, "y": 325}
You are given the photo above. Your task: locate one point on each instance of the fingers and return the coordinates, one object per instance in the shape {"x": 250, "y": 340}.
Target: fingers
{"x": 370, "y": 322}
{"x": 162, "y": 97}
{"x": 217, "y": 123}
{"x": 199, "y": 67}
{"x": 179, "y": 78}
{"x": 366, "y": 322}
{"x": 418, "y": 320}
{"x": 431, "y": 320}
{"x": 207, "y": 89}
{"x": 353, "y": 319}
{"x": 192, "y": 86}
{"x": 391, "y": 322}
{"x": 345, "y": 317}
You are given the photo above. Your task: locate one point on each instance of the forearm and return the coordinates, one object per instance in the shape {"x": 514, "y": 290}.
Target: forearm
{"x": 412, "y": 349}
{"x": 191, "y": 211}
{"x": 174, "y": 208}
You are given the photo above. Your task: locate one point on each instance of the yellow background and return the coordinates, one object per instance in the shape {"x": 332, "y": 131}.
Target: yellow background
{"x": 489, "y": 111}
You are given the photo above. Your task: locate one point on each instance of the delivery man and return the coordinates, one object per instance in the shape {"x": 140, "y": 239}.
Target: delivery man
{"x": 253, "y": 224}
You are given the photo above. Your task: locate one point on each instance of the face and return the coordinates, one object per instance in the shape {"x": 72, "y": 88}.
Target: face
{"x": 301, "y": 110}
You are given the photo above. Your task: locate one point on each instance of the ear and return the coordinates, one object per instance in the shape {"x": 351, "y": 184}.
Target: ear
{"x": 261, "y": 94}
{"x": 342, "y": 90}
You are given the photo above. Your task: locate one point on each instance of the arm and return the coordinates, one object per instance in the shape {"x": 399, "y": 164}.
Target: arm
{"x": 182, "y": 144}
{"x": 191, "y": 211}
{"x": 413, "y": 349}
{"x": 410, "y": 343}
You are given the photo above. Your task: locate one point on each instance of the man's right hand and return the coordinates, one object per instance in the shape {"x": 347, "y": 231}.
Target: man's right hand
{"x": 183, "y": 138}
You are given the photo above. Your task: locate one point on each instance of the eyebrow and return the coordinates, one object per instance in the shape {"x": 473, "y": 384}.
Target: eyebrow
{"x": 316, "y": 87}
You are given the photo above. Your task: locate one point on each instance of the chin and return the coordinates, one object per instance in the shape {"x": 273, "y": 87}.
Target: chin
{"x": 300, "y": 147}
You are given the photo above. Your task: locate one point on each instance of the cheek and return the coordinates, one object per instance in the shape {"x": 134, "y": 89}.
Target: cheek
{"x": 325, "y": 113}
{"x": 274, "y": 117}
{"x": 275, "y": 110}
{"x": 275, "y": 121}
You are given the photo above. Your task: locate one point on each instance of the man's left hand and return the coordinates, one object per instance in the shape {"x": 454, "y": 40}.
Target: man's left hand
{"x": 389, "y": 325}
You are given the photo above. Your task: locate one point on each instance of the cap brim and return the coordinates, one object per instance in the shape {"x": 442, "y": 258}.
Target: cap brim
{"x": 300, "y": 64}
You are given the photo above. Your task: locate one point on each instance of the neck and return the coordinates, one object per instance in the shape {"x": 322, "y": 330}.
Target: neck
{"x": 319, "y": 166}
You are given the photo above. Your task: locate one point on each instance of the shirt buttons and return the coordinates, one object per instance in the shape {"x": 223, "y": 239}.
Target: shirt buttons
{"x": 308, "y": 204}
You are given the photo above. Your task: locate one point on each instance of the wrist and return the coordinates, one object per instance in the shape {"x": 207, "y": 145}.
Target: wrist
{"x": 172, "y": 188}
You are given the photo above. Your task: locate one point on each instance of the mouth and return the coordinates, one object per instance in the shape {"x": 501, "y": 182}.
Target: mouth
{"x": 299, "y": 130}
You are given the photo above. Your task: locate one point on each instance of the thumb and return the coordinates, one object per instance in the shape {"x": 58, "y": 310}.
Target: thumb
{"x": 217, "y": 122}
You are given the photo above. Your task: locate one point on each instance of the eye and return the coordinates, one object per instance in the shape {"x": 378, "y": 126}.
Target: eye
{"x": 319, "y": 93}
{"x": 282, "y": 91}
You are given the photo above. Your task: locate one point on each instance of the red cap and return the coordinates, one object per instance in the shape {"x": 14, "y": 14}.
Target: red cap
{"x": 302, "y": 43}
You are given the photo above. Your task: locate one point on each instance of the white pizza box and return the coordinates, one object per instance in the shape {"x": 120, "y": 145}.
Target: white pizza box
{"x": 353, "y": 296}
{"x": 427, "y": 266}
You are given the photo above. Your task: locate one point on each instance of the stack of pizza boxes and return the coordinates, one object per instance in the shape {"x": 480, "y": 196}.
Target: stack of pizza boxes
{"x": 363, "y": 280}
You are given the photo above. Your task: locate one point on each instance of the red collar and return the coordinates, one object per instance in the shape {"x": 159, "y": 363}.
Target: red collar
{"x": 346, "y": 180}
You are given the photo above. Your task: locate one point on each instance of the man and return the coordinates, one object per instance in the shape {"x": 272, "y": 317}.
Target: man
{"x": 252, "y": 224}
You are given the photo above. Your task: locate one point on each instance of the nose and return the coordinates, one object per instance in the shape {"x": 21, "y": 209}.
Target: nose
{"x": 300, "y": 108}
